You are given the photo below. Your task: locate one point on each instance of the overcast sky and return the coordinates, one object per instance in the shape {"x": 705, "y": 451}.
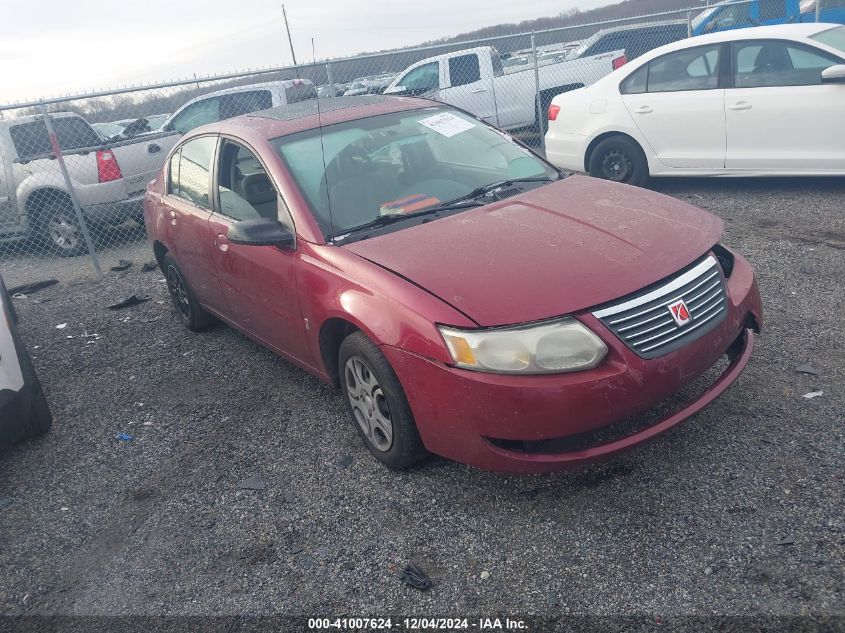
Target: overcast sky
{"x": 52, "y": 47}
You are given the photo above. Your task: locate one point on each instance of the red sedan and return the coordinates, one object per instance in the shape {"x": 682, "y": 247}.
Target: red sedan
{"x": 467, "y": 298}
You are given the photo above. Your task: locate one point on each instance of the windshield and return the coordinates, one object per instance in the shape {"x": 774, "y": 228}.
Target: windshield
{"x": 702, "y": 17}
{"x": 400, "y": 163}
{"x": 834, "y": 37}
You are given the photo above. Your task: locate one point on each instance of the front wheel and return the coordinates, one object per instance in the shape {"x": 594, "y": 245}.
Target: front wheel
{"x": 619, "y": 159}
{"x": 378, "y": 405}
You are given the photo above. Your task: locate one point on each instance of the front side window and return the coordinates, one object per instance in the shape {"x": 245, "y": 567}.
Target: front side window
{"x": 422, "y": 78}
{"x": 777, "y": 63}
{"x": 197, "y": 114}
{"x": 400, "y": 163}
{"x": 246, "y": 191}
{"x": 464, "y": 70}
{"x": 194, "y": 179}
{"x": 691, "y": 69}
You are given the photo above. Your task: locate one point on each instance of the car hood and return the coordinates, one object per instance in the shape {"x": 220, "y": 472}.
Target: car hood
{"x": 554, "y": 250}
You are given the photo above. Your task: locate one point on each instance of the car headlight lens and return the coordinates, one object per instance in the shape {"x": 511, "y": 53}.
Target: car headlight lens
{"x": 547, "y": 348}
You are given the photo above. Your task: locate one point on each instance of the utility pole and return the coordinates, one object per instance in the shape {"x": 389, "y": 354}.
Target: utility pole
{"x": 290, "y": 41}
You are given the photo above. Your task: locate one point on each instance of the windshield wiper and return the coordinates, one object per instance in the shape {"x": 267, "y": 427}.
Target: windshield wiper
{"x": 493, "y": 186}
{"x": 391, "y": 218}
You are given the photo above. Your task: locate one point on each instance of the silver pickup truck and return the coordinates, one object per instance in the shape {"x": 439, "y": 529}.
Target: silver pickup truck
{"x": 108, "y": 178}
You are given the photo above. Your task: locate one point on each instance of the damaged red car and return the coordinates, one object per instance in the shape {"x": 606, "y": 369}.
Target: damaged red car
{"x": 468, "y": 299}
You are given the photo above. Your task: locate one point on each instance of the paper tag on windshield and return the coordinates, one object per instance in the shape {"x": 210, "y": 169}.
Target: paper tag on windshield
{"x": 446, "y": 124}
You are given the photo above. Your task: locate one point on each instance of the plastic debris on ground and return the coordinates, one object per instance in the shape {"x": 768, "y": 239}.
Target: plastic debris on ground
{"x": 35, "y": 286}
{"x": 129, "y": 301}
{"x": 123, "y": 264}
{"x": 806, "y": 368}
{"x": 149, "y": 267}
{"x": 253, "y": 483}
{"x": 124, "y": 437}
{"x": 813, "y": 394}
{"x": 413, "y": 576}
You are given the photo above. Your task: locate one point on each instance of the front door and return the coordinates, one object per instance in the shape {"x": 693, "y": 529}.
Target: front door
{"x": 779, "y": 115}
{"x": 259, "y": 282}
{"x": 468, "y": 89}
{"x": 188, "y": 204}
{"x": 676, "y": 103}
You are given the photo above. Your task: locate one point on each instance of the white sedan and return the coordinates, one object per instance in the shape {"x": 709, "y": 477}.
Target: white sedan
{"x": 763, "y": 101}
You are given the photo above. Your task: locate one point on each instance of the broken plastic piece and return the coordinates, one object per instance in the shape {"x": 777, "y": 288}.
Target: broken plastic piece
{"x": 806, "y": 368}
{"x": 414, "y": 577}
{"x": 149, "y": 267}
{"x": 813, "y": 394}
{"x": 123, "y": 264}
{"x": 129, "y": 301}
{"x": 35, "y": 286}
{"x": 124, "y": 437}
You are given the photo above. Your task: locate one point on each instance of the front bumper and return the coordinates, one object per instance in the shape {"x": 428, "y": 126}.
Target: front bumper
{"x": 115, "y": 212}
{"x": 474, "y": 417}
{"x": 14, "y": 409}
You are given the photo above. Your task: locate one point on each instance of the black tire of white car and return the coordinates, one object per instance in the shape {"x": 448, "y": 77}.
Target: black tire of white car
{"x": 619, "y": 159}
{"x": 384, "y": 392}
{"x": 39, "y": 419}
{"x": 60, "y": 227}
{"x": 190, "y": 312}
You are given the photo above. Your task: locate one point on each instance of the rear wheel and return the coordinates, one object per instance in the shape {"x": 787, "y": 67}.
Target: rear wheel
{"x": 619, "y": 159}
{"x": 377, "y": 402}
{"x": 61, "y": 228}
{"x": 190, "y": 312}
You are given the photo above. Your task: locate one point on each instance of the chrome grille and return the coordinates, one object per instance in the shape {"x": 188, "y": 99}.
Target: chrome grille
{"x": 645, "y": 322}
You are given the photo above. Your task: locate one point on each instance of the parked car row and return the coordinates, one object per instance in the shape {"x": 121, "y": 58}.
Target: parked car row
{"x": 759, "y": 101}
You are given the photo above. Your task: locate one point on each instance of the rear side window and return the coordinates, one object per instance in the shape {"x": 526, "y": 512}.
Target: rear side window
{"x": 635, "y": 83}
{"x": 691, "y": 69}
{"x": 299, "y": 92}
{"x": 31, "y": 138}
{"x": 193, "y": 181}
{"x": 464, "y": 70}
{"x": 609, "y": 43}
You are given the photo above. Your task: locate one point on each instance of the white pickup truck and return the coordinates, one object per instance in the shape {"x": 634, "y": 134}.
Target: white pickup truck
{"x": 474, "y": 80}
{"x": 108, "y": 178}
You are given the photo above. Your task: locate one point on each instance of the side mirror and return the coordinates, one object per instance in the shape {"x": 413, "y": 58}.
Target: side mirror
{"x": 261, "y": 232}
{"x": 834, "y": 74}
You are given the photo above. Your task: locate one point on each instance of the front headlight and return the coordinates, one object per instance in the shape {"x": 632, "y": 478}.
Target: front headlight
{"x": 547, "y": 348}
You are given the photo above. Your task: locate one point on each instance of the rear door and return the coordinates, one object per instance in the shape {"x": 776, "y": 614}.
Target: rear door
{"x": 779, "y": 115}
{"x": 140, "y": 158}
{"x": 259, "y": 282}
{"x": 470, "y": 87}
{"x": 188, "y": 202}
{"x": 677, "y": 103}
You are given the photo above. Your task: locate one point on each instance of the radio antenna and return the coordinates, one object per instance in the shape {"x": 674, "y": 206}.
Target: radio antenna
{"x": 322, "y": 147}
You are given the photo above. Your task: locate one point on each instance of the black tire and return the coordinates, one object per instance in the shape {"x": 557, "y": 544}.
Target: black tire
{"x": 619, "y": 159}
{"x": 59, "y": 226}
{"x": 192, "y": 315}
{"x": 40, "y": 419}
{"x": 387, "y": 401}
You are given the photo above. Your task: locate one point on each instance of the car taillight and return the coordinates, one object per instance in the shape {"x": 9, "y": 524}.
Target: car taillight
{"x": 554, "y": 110}
{"x": 107, "y": 167}
{"x": 619, "y": 62}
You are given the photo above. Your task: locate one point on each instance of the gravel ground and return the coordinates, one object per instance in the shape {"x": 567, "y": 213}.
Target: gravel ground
{"x": 692, "y": 523}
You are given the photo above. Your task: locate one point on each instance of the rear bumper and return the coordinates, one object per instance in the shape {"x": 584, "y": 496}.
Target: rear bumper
{"x": 478, "y": 418}
{"x": 565, "y": 150}
{"x": 131, "y": 207}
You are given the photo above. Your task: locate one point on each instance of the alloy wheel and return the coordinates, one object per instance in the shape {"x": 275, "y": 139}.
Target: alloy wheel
{"x": 369, "y": 404}
{"x": 64, "y": 231}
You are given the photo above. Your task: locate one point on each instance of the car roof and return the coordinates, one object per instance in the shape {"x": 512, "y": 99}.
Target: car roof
{"x": 304, "y": 115}
{"x": 788, "y": 31}
{"x": 633, "y": 27}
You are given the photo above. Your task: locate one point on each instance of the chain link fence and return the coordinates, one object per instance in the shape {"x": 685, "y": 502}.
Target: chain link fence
{"x": 73, "y": 170}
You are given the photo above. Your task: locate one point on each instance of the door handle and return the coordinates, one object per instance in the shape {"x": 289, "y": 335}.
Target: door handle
{"x": 152, "y": 148}
{"x": 221, "y": 242}
{"x": 644, "y": 110}
{"x": 477, "y": 90}
{"x": 740, "y": 105}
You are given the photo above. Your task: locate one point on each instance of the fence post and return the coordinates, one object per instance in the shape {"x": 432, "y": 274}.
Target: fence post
{"x": 689, "y": 23}
{"x": 538, "y": 97}
{"x": 60, "y": 159}
{"x": 818, "y": 10}
{"x": 329, "y": 78}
